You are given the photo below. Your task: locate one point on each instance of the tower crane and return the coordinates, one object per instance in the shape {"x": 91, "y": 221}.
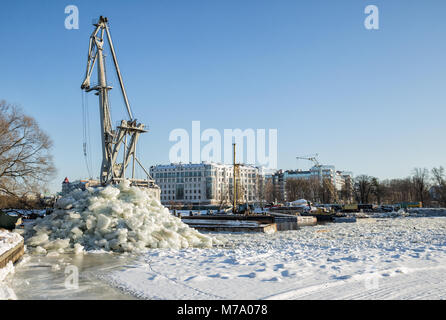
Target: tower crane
{"x": 126, "y": 134}
{"x": 313, "y": 158}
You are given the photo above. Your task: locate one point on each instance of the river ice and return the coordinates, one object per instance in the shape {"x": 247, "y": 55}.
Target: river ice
{"x": 402, "y": 258}
{"x": 383, "y": 258}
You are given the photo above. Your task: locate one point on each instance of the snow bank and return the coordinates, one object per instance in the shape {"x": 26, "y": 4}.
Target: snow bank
{"x": 8, "y": 240}
{"x": 9, "y": 268}
{"x": 114, "y": 218}
{"x": 6, "y": 293}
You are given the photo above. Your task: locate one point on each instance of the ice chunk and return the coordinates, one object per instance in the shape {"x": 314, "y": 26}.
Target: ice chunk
{"x": 38, "y": 240}
{"x": 103, "y": 222}
{"x": 78, "y": 249}
{"x": 57, "y": 244}
{"x": 65, "y": 202}
{"x": 40, "y": 250}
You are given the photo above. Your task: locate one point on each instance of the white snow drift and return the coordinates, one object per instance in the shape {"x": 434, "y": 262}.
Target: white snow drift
{"x": 114, "y": 218}
{"x": 8, "y": 240}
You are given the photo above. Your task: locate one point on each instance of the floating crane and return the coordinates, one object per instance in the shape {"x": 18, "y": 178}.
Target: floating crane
{"x": 126, "y": 134}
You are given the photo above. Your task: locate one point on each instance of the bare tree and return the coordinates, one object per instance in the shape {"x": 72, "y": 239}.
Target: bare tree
{"x": 26, "y": 164}
{"x": 328, "y": 192}
{"x": 311, "y": 189}
{"x": 401, "y": 190}
{"x": 269, "y": 192}
{"x": 224, "y": 200}
{"x": 363, "y": 188}
{"x": 346, "y": 193}
{"x": 378, "y": 190}
{"x": 438, "y": 176}
{"x": 293, "y": 188}
{"x": 439, "y": 188}
{"x": 420, "y": 180}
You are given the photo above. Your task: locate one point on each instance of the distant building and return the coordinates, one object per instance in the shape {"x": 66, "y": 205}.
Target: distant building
{"x": 205, "y": 183}
{"x": 346, "y": 180}
{"x": 68, "y": 186}
{"x": 339, "y": 179}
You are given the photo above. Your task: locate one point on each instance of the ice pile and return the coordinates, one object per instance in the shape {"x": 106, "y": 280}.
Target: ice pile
{"x": 114, "y": 218}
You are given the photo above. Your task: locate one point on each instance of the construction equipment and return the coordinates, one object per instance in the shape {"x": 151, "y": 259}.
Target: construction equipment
{"x": 406, "y": 205}
{"x": 237, "y": 189}
{"x": 126, "y": 135}
{"x": 313, "y": 158}
{"x": 236, "y": 181}
{"x": 352, "y": 207}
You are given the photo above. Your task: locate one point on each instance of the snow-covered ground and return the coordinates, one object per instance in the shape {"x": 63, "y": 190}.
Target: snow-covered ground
{"x": 401, "y": 258}
{"x": 8, "y": 240}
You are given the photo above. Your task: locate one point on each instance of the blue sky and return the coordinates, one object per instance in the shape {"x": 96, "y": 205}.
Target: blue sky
{"x": 368, "y": 101}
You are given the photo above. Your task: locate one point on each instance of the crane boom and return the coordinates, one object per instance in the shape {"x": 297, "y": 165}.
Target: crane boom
{"x": 311, "y": 158}
{"x": 112, "y": 139}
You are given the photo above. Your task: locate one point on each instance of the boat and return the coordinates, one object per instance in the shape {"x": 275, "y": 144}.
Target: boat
{"x": 9, "y": 222}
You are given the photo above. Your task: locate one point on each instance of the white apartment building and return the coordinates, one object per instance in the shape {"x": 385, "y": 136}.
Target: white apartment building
{"x": 204, "y": 183}
{"x": 337, "y": 178}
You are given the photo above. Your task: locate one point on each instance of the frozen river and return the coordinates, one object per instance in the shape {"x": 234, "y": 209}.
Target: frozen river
{"x": 402, "y": 258}
{"x": 39, "y": 277}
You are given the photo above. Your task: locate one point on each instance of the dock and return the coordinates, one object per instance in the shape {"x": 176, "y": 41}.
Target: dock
{"x": 292, "y": 222}
{"x": 13, "y": 254}
{"x": 321, "y": 217}
{"x": 252, "y": 223}
{"x": 232, "y": 223}
{"x": 295, "y": 211}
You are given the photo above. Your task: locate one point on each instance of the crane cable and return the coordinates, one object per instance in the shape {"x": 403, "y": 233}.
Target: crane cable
{"x": 85, "y": 133}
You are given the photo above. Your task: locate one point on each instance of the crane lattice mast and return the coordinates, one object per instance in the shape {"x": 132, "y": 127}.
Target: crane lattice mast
{"x": 126, "y": 135}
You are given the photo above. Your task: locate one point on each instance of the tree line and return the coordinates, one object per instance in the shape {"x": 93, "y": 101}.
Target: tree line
{"x": 26, "y": 164}
{"x": 426, "y": 186}
{"x": 423, "y": 185}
